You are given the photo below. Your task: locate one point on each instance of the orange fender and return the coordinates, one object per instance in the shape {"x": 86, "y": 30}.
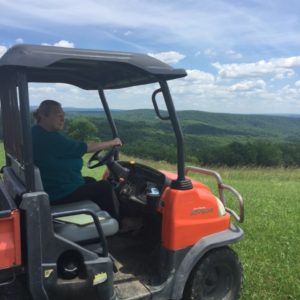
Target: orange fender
{"x": 189, "y": 215}
{"x": 10, "y": 240}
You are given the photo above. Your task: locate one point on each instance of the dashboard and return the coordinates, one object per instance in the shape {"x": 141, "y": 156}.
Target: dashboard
{"x": 143, "y": 184}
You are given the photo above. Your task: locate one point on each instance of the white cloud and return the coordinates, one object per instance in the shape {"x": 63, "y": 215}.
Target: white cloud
{"x": 216, "y": 97}
{"x": 199, "y": 90}
{"x": 233, "y": 54}
{"x": 198, "y": 76}
{"x": 213, "y": 27}
{"x": 249, "y": 85}
{"x": 3, "y": 49}
{"x": 279, "y": 68}
{"x": 42, "y": 89}
{"x": 287, "y": 62}
{"x": 66, "y": 94}
{"x": 170, "y": 57}
{"x": 195, "y": 83}
{"x": 210, "y": 52}
{"x": 64, "y": 43}
{"x": 61, "y": 43}
{"x": 219, "y": 23}
{"x": 127, "y": 33}
{"x": 19, "y": 41}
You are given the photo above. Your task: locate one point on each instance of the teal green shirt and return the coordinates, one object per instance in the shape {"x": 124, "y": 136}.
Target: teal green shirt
{"x": 59, "y": 159}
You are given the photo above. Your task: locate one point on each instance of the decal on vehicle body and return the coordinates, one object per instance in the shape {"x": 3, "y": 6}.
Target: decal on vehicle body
{"x": 201, "y": 210}
{"x": 100, "y": 278}
{"x": 48, "y": 272}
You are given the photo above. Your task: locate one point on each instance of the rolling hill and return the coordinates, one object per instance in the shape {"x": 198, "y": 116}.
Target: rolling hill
{"x": 207, "y": 125}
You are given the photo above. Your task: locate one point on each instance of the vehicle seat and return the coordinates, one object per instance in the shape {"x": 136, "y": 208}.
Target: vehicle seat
{"x": 80, "y": 233}
{"x": 83, "y": 233}
{"x": 14, "y": 176}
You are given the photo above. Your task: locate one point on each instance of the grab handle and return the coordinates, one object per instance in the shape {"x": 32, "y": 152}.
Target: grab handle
{"x": 221, "y": 187}
{"x": 156, "y": 106}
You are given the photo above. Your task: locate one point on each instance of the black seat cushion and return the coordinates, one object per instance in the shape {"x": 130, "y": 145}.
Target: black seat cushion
{"x": 70, "y": 229}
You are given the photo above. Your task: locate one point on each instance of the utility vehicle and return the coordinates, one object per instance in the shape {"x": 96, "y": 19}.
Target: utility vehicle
{"x": 76, "y": 251}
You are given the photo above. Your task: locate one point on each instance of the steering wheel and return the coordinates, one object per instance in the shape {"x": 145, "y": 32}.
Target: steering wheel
{"x": 101, "y": 159}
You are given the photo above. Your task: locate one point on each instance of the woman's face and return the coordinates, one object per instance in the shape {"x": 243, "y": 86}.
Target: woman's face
{"x": 55, "y": 120}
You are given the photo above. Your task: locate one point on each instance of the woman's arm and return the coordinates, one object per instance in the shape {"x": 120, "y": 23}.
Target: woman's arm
{"x": 93, "y": 147}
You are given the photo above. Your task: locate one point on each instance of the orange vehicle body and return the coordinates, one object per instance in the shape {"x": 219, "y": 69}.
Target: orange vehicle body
{"x": 189, "y": 215}
{"x": 10, "y": 240}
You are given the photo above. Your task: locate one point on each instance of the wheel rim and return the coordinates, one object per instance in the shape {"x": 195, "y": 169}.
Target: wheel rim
{"x": 217, "y": 283}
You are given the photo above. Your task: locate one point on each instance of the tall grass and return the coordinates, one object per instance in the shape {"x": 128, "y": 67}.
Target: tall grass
{"x": 270, "y": 252}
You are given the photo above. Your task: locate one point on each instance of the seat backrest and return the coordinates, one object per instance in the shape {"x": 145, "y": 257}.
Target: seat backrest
{"x": 14, "y": 179}
{"x": 19, "y": 171}
{"x": 13, "y": 184}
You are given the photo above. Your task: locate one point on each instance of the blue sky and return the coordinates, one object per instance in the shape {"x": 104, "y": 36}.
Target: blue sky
{"x": 241, "y": 56}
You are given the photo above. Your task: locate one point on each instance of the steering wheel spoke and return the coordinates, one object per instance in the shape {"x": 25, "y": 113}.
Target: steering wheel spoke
{"x": 97, "y": 159}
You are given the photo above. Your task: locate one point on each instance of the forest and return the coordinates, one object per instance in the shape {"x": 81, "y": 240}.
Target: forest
{"x": 210, "y": 138}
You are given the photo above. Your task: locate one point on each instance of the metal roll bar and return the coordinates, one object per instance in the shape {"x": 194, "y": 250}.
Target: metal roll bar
{"x": 221, "y": 187}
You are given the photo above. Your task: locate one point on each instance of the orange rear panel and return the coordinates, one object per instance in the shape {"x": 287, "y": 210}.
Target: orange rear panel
{"x": 190, "y": 215}
{"x": 10, "y": 240}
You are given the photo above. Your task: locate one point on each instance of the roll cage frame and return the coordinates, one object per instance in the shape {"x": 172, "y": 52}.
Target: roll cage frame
{"x": 87, "y": 69}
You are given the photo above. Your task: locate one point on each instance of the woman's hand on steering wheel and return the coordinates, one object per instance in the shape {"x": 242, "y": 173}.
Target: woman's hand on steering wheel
{"x": 101, "y": 159}
{"x": 107, "y": 156}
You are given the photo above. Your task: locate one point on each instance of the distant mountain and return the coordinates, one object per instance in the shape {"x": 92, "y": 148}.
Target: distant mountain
{"x": 267, "y": 126}
{"x": 73, "y": 109}
{"x": 290, "y": 115}
{"x": 80, "y": 109}
{"x": 198, "y": 123}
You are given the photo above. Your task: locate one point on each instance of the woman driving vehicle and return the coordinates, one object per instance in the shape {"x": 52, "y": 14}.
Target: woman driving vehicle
{"x": 59, "y": 159}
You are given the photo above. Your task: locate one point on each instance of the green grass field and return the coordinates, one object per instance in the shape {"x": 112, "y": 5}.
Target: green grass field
{"x": 270, "y": 252}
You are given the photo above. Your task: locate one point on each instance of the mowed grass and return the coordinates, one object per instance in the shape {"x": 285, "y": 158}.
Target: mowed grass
{"x": 270, "y": 252}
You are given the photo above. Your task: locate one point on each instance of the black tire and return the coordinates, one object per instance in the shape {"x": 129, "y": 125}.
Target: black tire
{"x": 218, "y": 276}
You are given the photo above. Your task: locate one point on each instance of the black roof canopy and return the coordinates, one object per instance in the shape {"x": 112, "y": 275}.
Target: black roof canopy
{"x": 87, "y": 69}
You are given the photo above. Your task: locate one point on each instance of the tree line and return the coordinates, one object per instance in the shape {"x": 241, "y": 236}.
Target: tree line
{"x": 156, "y": 141}
{"x": 256, "y": 153}
{"x": 153, "y": 141}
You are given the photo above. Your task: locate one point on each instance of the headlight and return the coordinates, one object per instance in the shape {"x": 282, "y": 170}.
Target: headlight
{"x": 221, "y": 207}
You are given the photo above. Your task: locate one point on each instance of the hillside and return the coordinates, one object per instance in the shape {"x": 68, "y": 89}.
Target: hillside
{"x": 210, "y": 138}
{"x": 227, "y": 126}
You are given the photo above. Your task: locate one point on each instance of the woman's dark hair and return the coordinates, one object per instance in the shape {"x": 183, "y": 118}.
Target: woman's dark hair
{"x": 44, "y": 109}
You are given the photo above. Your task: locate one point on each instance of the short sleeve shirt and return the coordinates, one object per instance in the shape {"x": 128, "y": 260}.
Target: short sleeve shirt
{"x": 59, "y": 159}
